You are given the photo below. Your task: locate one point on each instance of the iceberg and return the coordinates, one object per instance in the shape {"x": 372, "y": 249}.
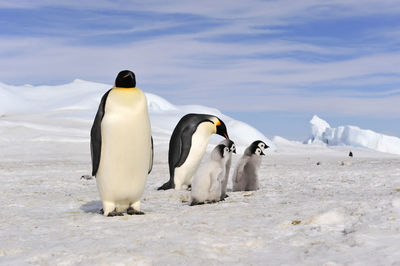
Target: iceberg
{"x": 321, "y": 132}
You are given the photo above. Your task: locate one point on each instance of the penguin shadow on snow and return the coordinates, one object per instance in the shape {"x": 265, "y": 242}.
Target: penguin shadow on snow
{"x": 93, "y": 206}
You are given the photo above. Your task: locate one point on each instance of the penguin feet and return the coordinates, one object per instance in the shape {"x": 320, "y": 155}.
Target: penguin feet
{"x": 165, "y": 186}
{"x": 87, "y": 177}
{"x": 132, "y": 211}
{"x": 194, "y": 203}
{"x": 115, "y": 213}
{"x": 223, "y": 197}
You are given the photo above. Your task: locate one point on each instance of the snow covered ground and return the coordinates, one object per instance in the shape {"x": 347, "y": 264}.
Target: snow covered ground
{"x": 316, "y": 205}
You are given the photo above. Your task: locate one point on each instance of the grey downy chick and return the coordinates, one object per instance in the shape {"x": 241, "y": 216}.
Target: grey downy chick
{"x": 206, "y": 185}
{"x": 245, "y": 176}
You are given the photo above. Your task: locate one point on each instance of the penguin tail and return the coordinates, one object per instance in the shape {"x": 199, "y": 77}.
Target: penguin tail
{"x": 166, "y": 186}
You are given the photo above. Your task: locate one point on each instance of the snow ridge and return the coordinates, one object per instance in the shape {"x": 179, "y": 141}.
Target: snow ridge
{"x": 81, "y": 98}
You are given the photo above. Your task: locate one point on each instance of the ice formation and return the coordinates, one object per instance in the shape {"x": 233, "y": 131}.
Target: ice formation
{"x": 321, "y": 132}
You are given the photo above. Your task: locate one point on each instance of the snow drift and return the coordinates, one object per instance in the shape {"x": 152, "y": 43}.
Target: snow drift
{"x": 321, "y": 132}
{"x": 81, "y": 98}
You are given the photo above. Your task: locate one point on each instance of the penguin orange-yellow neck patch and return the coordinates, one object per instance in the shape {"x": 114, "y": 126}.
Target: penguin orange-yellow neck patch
{"x": 218, "y": 123}
{"x": 121, "y": 88}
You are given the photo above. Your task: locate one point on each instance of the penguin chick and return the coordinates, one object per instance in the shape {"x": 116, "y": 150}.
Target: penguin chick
{"x": 245, "y": 176}
{"x": 206, "y": 185}
{"x": 232, "y": 149}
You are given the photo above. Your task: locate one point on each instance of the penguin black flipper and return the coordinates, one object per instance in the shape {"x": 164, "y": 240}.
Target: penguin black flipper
{"x": 95, "y": 135}
{"x": 186, "y": 144}
{"x": 184, "y": 137}
{"x": 152, "y": 156}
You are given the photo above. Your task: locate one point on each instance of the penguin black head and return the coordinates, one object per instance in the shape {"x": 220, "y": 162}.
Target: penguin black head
{"x": 231, "y": 145}
{"x": 261, "y": 144}
{"x": 221, "y": 129}
{"x": 258, "y": 152}
{"x": 220, "y": 151}
{"x": 125, "y": 79}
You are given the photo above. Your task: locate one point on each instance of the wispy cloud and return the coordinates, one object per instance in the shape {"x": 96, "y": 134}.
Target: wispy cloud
{"x": 242, "y": 55}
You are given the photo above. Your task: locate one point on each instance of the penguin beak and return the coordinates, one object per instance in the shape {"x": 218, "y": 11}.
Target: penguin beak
{"x": 234, "y": 151}
{"x": 262, "y": 153}
{"x": 266, "y": 146}
{"x": 226, "y": 136}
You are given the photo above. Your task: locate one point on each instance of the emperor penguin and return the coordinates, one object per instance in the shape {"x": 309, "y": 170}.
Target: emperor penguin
{"x": 232, "y": 149}
{"x": 121, "y": 146}
{"x": 245, "y": 176}
{"x": 206, "y": 185}
{"x": 187, "y": 146}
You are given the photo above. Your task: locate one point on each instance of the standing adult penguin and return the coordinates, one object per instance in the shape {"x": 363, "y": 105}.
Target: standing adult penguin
{"x": 121, "y": 146}
{"x": 232, "y": 149}
{"x": 187, "y": 146}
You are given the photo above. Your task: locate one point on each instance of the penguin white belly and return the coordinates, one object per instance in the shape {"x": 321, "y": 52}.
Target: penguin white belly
{"x": 183, "y": 174}
{"x": 125, "y": 150}
{"x": 206, "y": 184}
{"x": 201, "y": 184}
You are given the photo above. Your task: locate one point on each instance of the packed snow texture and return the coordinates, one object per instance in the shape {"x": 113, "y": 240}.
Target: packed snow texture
{"x": 321, "y": 132}
{"x": 315, "y": 206}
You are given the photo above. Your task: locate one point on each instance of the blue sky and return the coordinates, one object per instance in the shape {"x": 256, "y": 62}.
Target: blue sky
{"x": 272, "y": 64}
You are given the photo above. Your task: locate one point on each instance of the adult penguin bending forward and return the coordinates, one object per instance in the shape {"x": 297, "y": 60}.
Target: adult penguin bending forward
{"x": 121, "y": 146}
{"x": 187, "y": 146}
